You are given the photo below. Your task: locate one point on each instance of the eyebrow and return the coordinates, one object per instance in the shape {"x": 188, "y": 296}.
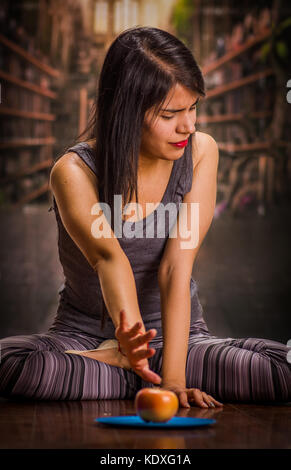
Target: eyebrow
{"x": 178, "y": 110}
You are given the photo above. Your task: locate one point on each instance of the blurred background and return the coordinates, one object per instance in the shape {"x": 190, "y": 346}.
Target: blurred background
{"x": 51, "y": 55}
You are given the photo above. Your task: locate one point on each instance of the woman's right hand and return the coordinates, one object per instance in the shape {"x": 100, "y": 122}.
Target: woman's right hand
{"x": 132, "y": 344}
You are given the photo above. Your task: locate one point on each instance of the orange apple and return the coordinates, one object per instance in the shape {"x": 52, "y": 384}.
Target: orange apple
{"x": 156, "y": 404}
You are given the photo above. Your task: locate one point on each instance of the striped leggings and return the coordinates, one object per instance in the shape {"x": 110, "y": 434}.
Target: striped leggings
{"x": 249, "y": 370}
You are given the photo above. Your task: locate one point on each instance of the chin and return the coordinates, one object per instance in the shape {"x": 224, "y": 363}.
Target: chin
{"x": 178, "y": 153}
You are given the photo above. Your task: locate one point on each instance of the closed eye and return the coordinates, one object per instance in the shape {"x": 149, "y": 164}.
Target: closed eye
{"x": 166, "y": 117}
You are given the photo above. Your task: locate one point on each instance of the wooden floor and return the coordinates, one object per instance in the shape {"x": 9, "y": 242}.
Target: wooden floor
{"x": 71, "y": 425}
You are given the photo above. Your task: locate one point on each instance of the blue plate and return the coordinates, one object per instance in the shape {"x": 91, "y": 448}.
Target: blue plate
{"x": 136, "y": 421}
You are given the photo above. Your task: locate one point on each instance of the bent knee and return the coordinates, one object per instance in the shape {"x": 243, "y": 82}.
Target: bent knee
{"x": 19, "y": 344}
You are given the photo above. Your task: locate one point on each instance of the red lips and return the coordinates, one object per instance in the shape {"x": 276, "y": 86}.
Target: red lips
{"x": 183, "y": 143}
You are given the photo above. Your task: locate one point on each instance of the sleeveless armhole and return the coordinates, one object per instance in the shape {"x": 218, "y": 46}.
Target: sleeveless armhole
{"x": 84, "y": 151}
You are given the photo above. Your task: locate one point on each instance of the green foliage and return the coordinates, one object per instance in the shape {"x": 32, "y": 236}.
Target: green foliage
{"x": 183, "y": 19}
{"x": 282, "y": 49}
{"x": 265, "y": 51}
{"x": 277, "y": 44}
{"x": 284, "y": 25}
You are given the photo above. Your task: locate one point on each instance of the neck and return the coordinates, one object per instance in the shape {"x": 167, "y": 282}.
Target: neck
{"x": 149, "y": 166}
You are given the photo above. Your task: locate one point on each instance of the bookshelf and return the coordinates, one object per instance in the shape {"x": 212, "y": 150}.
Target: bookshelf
{"x": 27, "y": 119}
{"x": 241, "y": 97}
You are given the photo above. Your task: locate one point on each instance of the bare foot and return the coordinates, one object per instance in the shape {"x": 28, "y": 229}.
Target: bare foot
{"x": 110, "y": 356}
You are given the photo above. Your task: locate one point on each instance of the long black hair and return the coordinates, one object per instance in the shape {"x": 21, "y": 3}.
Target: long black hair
{"x": 140, "y": 68}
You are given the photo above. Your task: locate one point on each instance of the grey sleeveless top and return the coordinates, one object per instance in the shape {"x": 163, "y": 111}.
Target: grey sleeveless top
{"x": 80, "y": 297}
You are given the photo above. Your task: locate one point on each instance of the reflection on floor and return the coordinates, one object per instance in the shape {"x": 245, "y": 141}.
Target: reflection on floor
{"x": 70, "y": 424}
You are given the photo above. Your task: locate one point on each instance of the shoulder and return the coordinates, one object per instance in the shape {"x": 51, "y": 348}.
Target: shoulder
{"x": 72, "y": 158}
{"x": 203, "y": 145}
{"x": 70, "y": 166}
{"x": 68, "y": 161}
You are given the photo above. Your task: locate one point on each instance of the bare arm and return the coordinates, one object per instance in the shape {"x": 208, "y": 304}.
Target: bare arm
{"x": 74, "y": 187}
{"x": 175, "y": 306}
{"x": 119, "y": 290}
{"x": 177, "y": 264}
{"x": 75, "y": 190}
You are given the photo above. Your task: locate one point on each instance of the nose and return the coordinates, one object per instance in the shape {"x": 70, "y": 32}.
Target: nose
{"x": 187, "y": 126}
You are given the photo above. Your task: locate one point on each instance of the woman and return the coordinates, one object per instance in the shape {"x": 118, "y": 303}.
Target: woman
{"x": 146, "y": 104}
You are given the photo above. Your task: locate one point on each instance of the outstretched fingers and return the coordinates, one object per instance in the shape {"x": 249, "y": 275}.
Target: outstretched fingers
{"x": 133, "y": 341}
{"x": 149, "y": 376}
{"x": 134, "y": 330}
{"x": 143, "y": 353}
{"x": 143, "y": 338}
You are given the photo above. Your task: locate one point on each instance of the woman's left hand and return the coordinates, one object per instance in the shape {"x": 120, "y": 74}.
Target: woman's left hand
{"x": 191, "y": 395}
